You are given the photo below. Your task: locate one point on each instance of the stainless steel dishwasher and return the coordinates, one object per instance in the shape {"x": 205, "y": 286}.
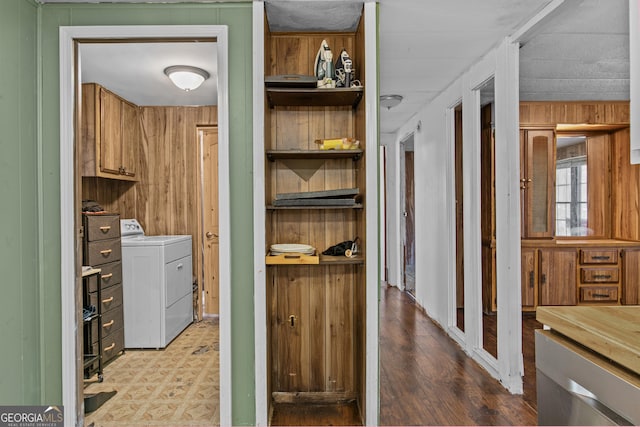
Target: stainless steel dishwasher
{"x": 578, "y": 387}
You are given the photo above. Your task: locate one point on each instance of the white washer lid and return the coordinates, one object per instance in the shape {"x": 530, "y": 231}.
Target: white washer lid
{"x": 154, "y": 240}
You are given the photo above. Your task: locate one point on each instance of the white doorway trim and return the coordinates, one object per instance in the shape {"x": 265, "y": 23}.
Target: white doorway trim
{"x": 67, "y": 179}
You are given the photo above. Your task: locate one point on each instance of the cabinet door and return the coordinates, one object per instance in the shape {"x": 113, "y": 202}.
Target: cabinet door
{"x": 630, "y": 277}
{"x": 557, "y": 280}
{"x": 538, "y": 182}
{"x": 528, "y": 279}
{"x": 110, "y": 133}
{"x": 130, "y": 138}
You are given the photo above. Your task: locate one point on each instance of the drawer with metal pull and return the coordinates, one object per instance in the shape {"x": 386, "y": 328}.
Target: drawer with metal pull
{"x": 599, "y": 275}
{"x": 607, "y": 294}
{"x": 598, "y": 256}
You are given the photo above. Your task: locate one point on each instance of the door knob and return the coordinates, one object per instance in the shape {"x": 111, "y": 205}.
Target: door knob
{"x": 210, "y": 235}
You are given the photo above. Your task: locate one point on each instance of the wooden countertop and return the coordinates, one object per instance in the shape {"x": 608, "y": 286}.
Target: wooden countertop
{"x": 611, "y": 331}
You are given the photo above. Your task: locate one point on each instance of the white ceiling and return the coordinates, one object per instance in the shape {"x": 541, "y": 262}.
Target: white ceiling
{"x": 581, "y": 52}
{"x": 135, "y": 71}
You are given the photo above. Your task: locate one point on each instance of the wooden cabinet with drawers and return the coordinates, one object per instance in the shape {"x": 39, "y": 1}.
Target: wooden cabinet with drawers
{"x": 102, "y": 249}
{"x": 596, "y": 272}
{"x": 599, "y": 276}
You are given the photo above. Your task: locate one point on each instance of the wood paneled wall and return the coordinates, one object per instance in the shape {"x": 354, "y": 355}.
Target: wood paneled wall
{"x": 625, "y": 189}
{"x": 587, "y": 112}
{"x": 165, "y": 200}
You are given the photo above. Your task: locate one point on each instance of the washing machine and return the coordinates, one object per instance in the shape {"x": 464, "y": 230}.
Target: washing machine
{"x": 156, "y": 286}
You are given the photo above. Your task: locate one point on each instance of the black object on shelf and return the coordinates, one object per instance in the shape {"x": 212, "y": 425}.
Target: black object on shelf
{"x": 291, "y": 81}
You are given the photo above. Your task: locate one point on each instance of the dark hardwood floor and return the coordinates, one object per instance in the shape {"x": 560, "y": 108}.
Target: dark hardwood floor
{"x": 426, "y": 378}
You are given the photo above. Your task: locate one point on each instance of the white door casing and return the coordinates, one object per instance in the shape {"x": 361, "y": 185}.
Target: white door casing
{"x": 68, "y": 35}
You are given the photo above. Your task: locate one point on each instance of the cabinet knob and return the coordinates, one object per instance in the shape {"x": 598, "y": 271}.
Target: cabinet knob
{"x": 210, "y": 235}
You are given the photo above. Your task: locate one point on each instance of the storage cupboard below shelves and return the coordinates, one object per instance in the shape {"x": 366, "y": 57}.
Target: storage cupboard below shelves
{"x": 316, "y": 304}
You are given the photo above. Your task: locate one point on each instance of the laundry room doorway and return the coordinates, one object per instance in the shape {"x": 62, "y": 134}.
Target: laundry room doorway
{"x": 158, "y": 184}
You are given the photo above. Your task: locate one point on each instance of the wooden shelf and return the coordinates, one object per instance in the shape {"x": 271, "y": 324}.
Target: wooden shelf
{"x": 338, "y": 97}
{"x": 324, "y": 260}
{"x": 274, "y": 155}
{"x": 340, "y": 260}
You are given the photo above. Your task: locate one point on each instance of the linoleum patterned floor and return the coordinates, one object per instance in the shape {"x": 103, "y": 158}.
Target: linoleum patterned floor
{"x": 177, "y": 386}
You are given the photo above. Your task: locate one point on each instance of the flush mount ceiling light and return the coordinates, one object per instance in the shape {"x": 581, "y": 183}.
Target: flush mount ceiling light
{"x": 390, "y": 101}
{"x": 186, "y": 77}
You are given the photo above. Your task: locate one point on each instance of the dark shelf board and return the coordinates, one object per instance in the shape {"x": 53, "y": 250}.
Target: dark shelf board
{"x": 274, "y": 155}
{"x": 277, "y": 208}
{"x": 296, "y": 97}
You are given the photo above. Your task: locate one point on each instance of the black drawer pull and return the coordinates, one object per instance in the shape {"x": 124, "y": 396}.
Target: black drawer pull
{"x": 601, "y": 257}
{"x": 601, "y": 295}
{"x": 531, "y": 279}
{"x": 602, "y": 276}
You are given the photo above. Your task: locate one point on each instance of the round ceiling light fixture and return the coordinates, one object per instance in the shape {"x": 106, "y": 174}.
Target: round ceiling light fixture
{"x": 186, "y": 77}
{"x": 390, "y": 101}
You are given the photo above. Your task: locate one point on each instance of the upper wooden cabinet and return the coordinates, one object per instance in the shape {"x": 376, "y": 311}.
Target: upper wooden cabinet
{"x": 110, "y": 134}
{"x": 537, "y": 167}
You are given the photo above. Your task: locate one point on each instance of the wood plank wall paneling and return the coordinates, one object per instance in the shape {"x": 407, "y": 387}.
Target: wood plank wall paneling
{"x": 596, "y": 112}
{"x": 165, "y": 200}
{"x": 625, "y": 186}
{"x": 599, "y": 184}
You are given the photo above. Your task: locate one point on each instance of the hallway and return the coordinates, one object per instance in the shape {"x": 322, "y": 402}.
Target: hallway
{"x": 426, "y": 378}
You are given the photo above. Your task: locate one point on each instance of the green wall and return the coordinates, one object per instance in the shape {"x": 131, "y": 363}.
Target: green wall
{"x": 20, "y": 320}
{"x": 30, "y": 316}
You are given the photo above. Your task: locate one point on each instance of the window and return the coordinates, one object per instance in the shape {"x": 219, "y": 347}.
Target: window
{"x": 571, "y": 196}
